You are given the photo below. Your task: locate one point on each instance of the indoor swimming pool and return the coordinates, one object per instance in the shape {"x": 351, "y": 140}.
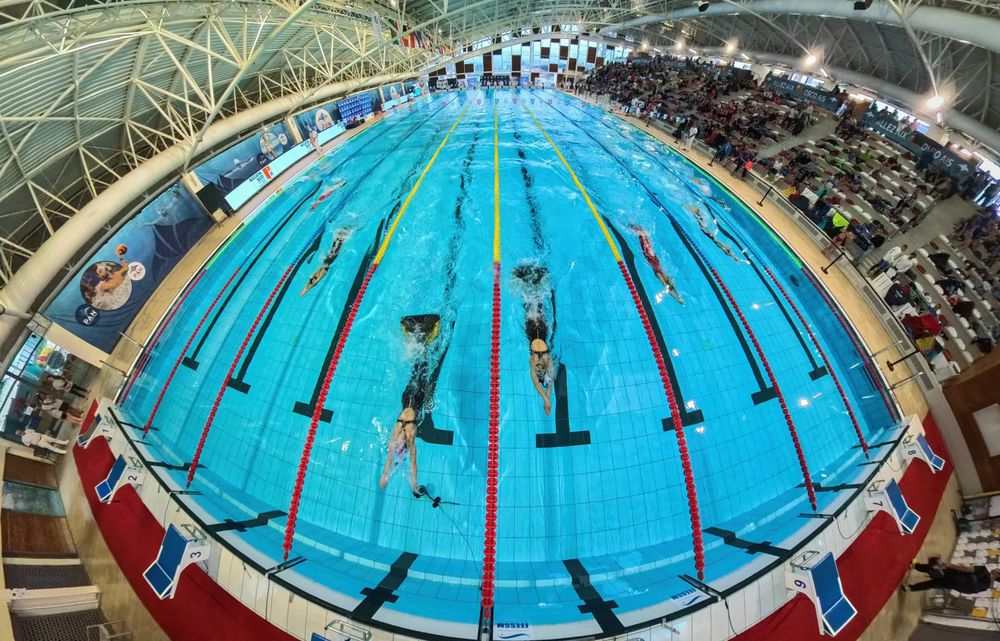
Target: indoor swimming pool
{"x": 354, "y": 309}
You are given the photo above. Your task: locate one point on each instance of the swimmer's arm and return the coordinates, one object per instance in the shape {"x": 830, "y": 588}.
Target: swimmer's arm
{"x": 538, "y": 384}
{"x": 413, "y": 460}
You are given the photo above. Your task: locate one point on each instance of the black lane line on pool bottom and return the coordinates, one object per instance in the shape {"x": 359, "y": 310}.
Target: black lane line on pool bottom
{"x": 593, "y": 604}
{"x": 750, "y": 547}
{"x": 307, "y": 408}
{"x": 238, "y": 382}
{"x": 170, "y": 466}
{"x": 818, "y": 371}
{"x": 384, "y": 592}
{"x": 564, "y": 436}
{"x": 764, "y": 393}
{"x": 688, "y": 416}
{"x": 191, "y": 361}
{"x": 243, "y": 526}
{"x": 819, "y": 487}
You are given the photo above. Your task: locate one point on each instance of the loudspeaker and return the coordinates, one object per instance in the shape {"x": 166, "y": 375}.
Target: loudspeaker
{"x": 212, "y": 198}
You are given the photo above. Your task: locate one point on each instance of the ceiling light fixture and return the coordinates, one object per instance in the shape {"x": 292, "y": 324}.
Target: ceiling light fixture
{"x": 809, "y": 60}
{"x": 934, "y": 102}
{"x": 702, "y": 6}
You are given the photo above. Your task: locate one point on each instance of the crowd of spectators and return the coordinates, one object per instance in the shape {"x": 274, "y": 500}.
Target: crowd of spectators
{"x": 728, "y": 109}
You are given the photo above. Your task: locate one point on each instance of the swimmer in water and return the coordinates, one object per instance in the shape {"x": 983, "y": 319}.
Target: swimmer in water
{"x": 646, "y": 243}
{"x": 338, "y": 244}
{"x": 700, "y": 217}
{"x": 334, "y": 186}
{"x": 533, "y": 279}
{"x": 422, "y": 329}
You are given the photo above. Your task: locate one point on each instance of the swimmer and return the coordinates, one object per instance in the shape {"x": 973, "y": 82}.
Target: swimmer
{"x": 402, "y": 442}
{"x": 334, "y": 186}
{"x": 702, "y": 186}
{"x": 646, "y": 243}
{"x": 705, "y": 230}
{"x": 533, "y": 279}
{"x": 338, "y": 244}
{"x": 423, "y": 330}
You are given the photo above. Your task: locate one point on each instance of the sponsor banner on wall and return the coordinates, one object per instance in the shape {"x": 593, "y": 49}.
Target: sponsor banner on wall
{"x": 252, "y": 185}
{"x": 229, "y": 169}
{"x": 823, "y": 99}
{"x": 887, "y": 124}
{"x": 943, "y": 157}
{"x": 102, "y": 299}
{"x": 324, "y": 120}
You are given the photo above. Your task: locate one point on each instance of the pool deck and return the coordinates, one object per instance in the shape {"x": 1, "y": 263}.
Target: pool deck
{"x": 896, "y": 621}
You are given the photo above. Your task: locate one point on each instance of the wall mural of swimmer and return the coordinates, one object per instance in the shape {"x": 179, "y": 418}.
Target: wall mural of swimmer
{"x": 427, "y": 342}
{"x": 102, "y": 299}
{"x": 107, "y": 285}
{"x": 235, "y": 165}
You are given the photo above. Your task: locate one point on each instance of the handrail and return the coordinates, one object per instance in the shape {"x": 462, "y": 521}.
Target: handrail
{"x": 360, "y": 634}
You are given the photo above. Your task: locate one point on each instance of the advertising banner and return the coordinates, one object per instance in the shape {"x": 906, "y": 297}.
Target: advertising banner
{"x": 102, "y": 299}
{"x": 941, "y": 156}
{"x": 888, "y": 125}
{"x": 252, "y": 185}
{"x": 823, "y": 99}
{"x": 324, "y": 120}
{"x": 239, "y": 163}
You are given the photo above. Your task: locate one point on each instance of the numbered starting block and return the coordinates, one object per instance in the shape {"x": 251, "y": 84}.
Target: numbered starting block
{"x": 815, "y": 575}
{"x": 98, "y": 428}
{"x": 888, "y": 497}
{"x": 177, "y": 551}
{"x": 915, "y": 446}
{"x": 122, "y": 473}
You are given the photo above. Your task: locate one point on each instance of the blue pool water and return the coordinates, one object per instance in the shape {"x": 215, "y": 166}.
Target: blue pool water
{"x": 594, "y": 487}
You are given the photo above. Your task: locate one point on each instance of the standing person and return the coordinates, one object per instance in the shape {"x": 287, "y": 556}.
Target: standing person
{"x": 967, "y": 579}
{"x": 59, "y": 409}
{"x": 62, "y": 385}
{"x": 314, "y": 140}
{"x": 31, "y": 438}
{"x": 690, "y": 135}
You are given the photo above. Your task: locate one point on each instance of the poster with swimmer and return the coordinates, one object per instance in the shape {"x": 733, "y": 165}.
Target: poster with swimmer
{"x": 240, "y": 162}
{"x": 320, "y": 119}
{"x": 116, "y": 281}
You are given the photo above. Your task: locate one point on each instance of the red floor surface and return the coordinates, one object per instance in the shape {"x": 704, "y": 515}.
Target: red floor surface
{"x": 201, "y": 609}
{"x": 871, "y": 569}
{"x": 875, "y": 564}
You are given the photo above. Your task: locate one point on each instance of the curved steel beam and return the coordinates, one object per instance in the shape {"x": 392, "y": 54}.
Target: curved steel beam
{"x": 976, "y": 29}
{"x": 953, "y": 118}
{"x": 34, "y": 277}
